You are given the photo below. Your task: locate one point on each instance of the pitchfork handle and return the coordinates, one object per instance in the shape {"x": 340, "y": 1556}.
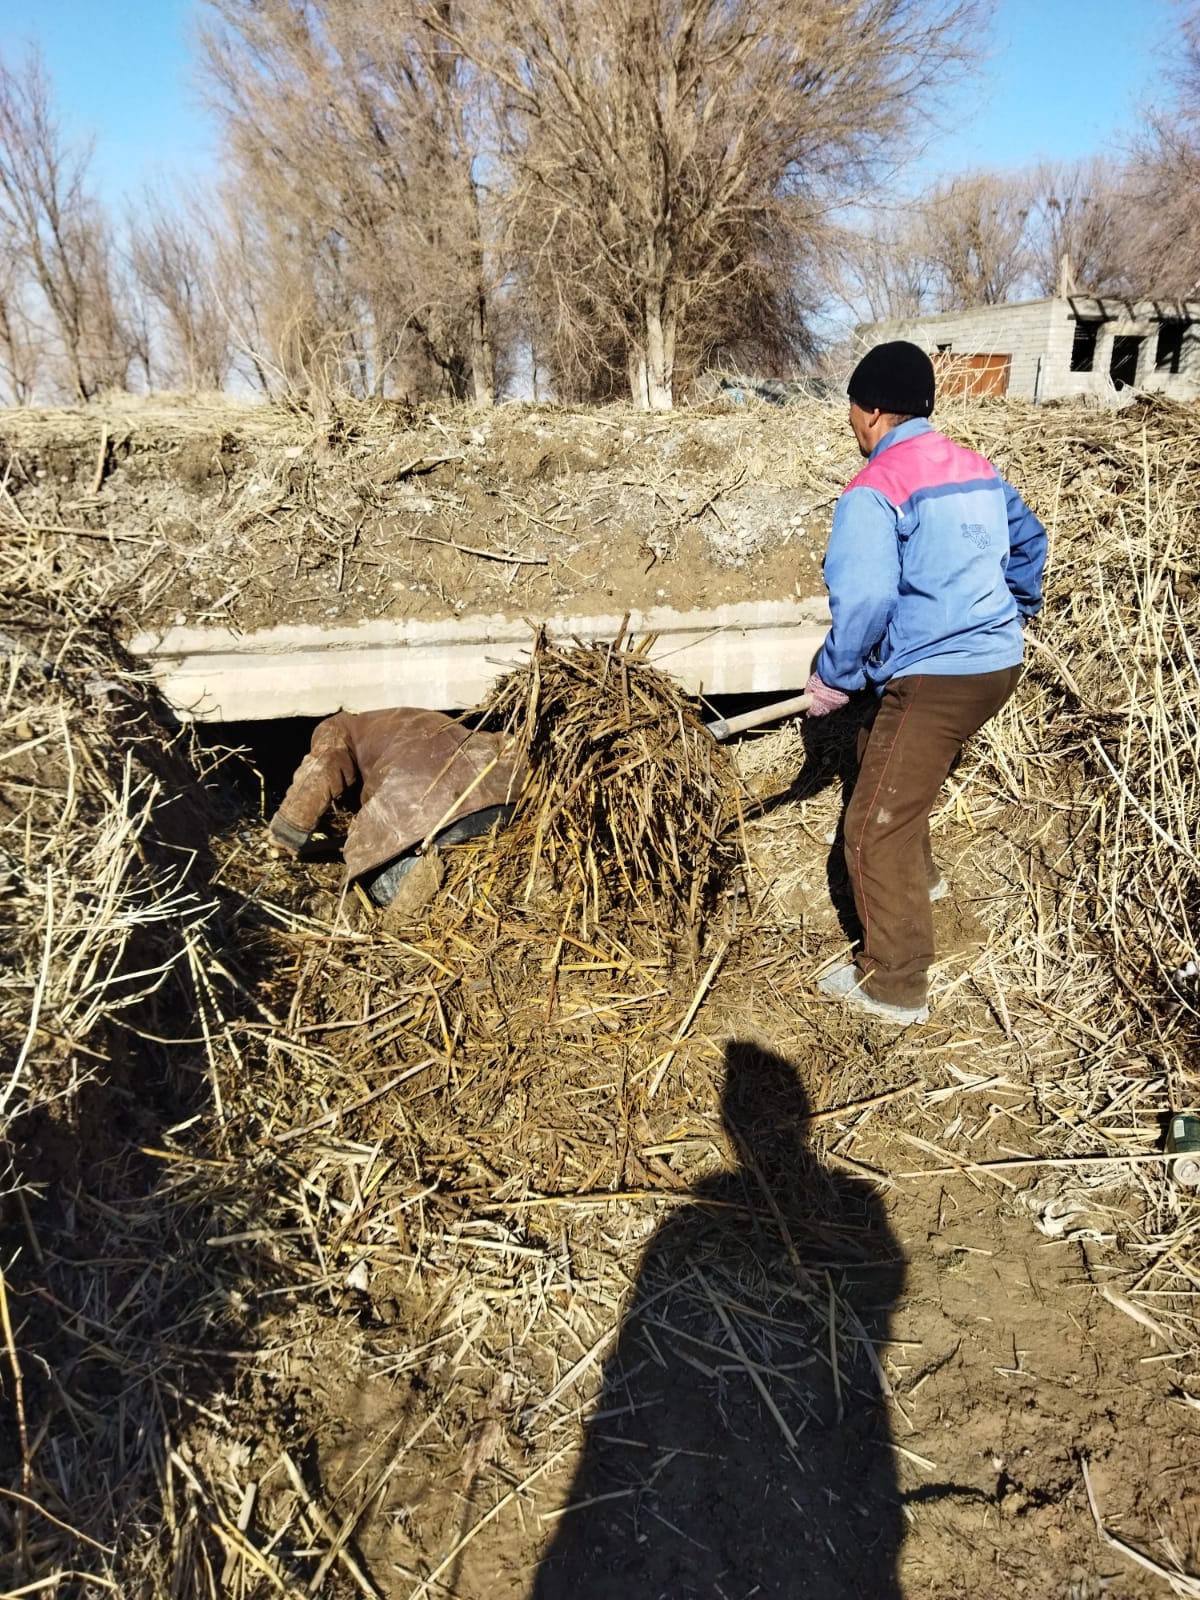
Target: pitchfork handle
{"x": 726, "y": 727}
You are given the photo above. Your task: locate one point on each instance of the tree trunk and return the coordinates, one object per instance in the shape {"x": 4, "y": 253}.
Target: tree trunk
{"x": 81, "y": 389}
{"x": 16, "y": 356}
{"x": 638, "y": 385}
{"x": 660, "y": 353}
{"x": 483, "y": 357}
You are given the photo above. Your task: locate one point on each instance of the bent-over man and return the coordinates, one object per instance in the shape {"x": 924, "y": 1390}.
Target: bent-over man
{"x": 423, "y": 774}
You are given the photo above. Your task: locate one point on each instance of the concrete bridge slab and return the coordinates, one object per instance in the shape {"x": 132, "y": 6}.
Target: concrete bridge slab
{"x": 219, "y": 675}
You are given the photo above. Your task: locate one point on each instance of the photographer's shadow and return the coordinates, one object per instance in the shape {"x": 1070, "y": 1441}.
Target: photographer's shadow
{"x": 736, "y": 1449}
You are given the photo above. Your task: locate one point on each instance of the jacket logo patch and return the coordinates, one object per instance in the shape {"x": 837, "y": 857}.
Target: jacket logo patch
{"x": 977, "y": 533}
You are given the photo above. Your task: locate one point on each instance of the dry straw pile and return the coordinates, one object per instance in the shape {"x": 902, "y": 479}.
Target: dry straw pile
{"x": 262, "y": 1149}
{"x": 106, "y": 978}
{"x": 627, "y": 793}
{"x": 1101, "y": 752}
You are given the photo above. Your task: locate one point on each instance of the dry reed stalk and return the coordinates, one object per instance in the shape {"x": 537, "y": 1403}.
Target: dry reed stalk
{"x": 96, "y": 919}
{"x": 1111, "y": 703}
{"x": 1180, "y": 1583}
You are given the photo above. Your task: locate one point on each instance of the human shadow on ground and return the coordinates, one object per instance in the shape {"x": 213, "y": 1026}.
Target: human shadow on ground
{"x": 731, "y": 1452}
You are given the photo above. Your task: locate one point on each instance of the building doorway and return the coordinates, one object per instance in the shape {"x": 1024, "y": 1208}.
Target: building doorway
{"x": 1122, "y": 369}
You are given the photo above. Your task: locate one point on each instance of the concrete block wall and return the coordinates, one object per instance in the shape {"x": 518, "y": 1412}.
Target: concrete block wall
{"x": 1021, "y": 332}
{"x": 1142, "y": 320}
{"x": 1044, "y": 331}
{"x": 1183, "y": 385}
{"x": 1057, "y": 378}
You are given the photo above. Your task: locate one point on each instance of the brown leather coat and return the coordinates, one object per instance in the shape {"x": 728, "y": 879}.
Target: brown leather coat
{"x": 420, "y": 770}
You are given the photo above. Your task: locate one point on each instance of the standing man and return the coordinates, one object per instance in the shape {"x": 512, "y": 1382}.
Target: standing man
{"x": 934, "y": 565}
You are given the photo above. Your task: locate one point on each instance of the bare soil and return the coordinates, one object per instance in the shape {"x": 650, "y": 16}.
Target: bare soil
{"x": 779, "y": 1357}
{"x": 408, "y": 515}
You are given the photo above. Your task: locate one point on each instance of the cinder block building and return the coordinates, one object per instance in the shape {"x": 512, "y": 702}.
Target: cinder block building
{"x": 1046, "y": 349}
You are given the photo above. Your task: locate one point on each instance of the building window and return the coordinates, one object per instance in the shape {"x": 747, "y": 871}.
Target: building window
{"x": 1083, "y": 346}
{"x": 944, "y": 349}
{"x": 1168, "y": 350}
{"x": 1122, "y": 369}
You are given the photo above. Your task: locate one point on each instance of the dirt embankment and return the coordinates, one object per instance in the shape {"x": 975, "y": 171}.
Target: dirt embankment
{"x": 248, "y": 517}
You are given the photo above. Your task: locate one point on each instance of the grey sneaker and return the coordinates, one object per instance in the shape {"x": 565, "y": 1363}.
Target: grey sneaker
{"x": 844, "y": 983}
{"x": 938, "y": 890}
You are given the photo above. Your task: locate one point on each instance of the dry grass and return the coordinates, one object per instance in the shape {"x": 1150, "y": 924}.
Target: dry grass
{"x": 465, "y": 1129}
{"x": 627, "y": 795}
{"x": 1102, "y": 748}
{"x": 104, "y": 922}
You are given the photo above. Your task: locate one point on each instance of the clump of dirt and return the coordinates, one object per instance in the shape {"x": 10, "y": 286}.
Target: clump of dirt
{"x": 201, "y": 463}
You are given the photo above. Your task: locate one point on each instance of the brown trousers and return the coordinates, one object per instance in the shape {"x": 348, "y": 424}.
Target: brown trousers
{"x": 905, "y": 750}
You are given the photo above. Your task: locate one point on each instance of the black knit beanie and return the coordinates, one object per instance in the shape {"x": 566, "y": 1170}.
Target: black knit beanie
{"x": 895, "y": 377}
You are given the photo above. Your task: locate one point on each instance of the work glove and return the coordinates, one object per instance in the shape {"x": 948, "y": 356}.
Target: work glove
{"x": 282, "y": 832}
{"x": 824, "y": 699}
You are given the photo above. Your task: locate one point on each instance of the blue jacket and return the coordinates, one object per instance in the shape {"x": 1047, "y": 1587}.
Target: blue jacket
{"x": 932, "y": 564}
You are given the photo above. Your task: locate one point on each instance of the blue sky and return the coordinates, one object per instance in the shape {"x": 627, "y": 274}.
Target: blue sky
{"x": 123, "y": 73}
{"x": 1063, "y": 79}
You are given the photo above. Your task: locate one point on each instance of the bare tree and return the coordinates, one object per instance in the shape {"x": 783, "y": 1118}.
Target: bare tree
{"x": 59, "y": 233}
{"x": 659, "y": 183}
{"x": 884, "y": 271}
{"x": 20, "y": 346}
{"x": 974, "y": 233}
{"x": 1076, "y": 231}
{"x": 172, "y": 254}
{"x": 1162, "y": 244}
{"x": 112, "y": 338}
{"x": 137, "y": 330}
{"x": 655, "y": 143}
{"x": 987, "y": 237}
{"x": 352, "y": 120}
{"x": 239, "y": 285}
{"x": 1162, "y": 234}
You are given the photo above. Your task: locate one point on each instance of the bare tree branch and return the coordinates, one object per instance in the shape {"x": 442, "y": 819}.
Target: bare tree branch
{"x": 59, "y": 234}
{"x": 174, "y": 260}
{"x": 658, "y": 147}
